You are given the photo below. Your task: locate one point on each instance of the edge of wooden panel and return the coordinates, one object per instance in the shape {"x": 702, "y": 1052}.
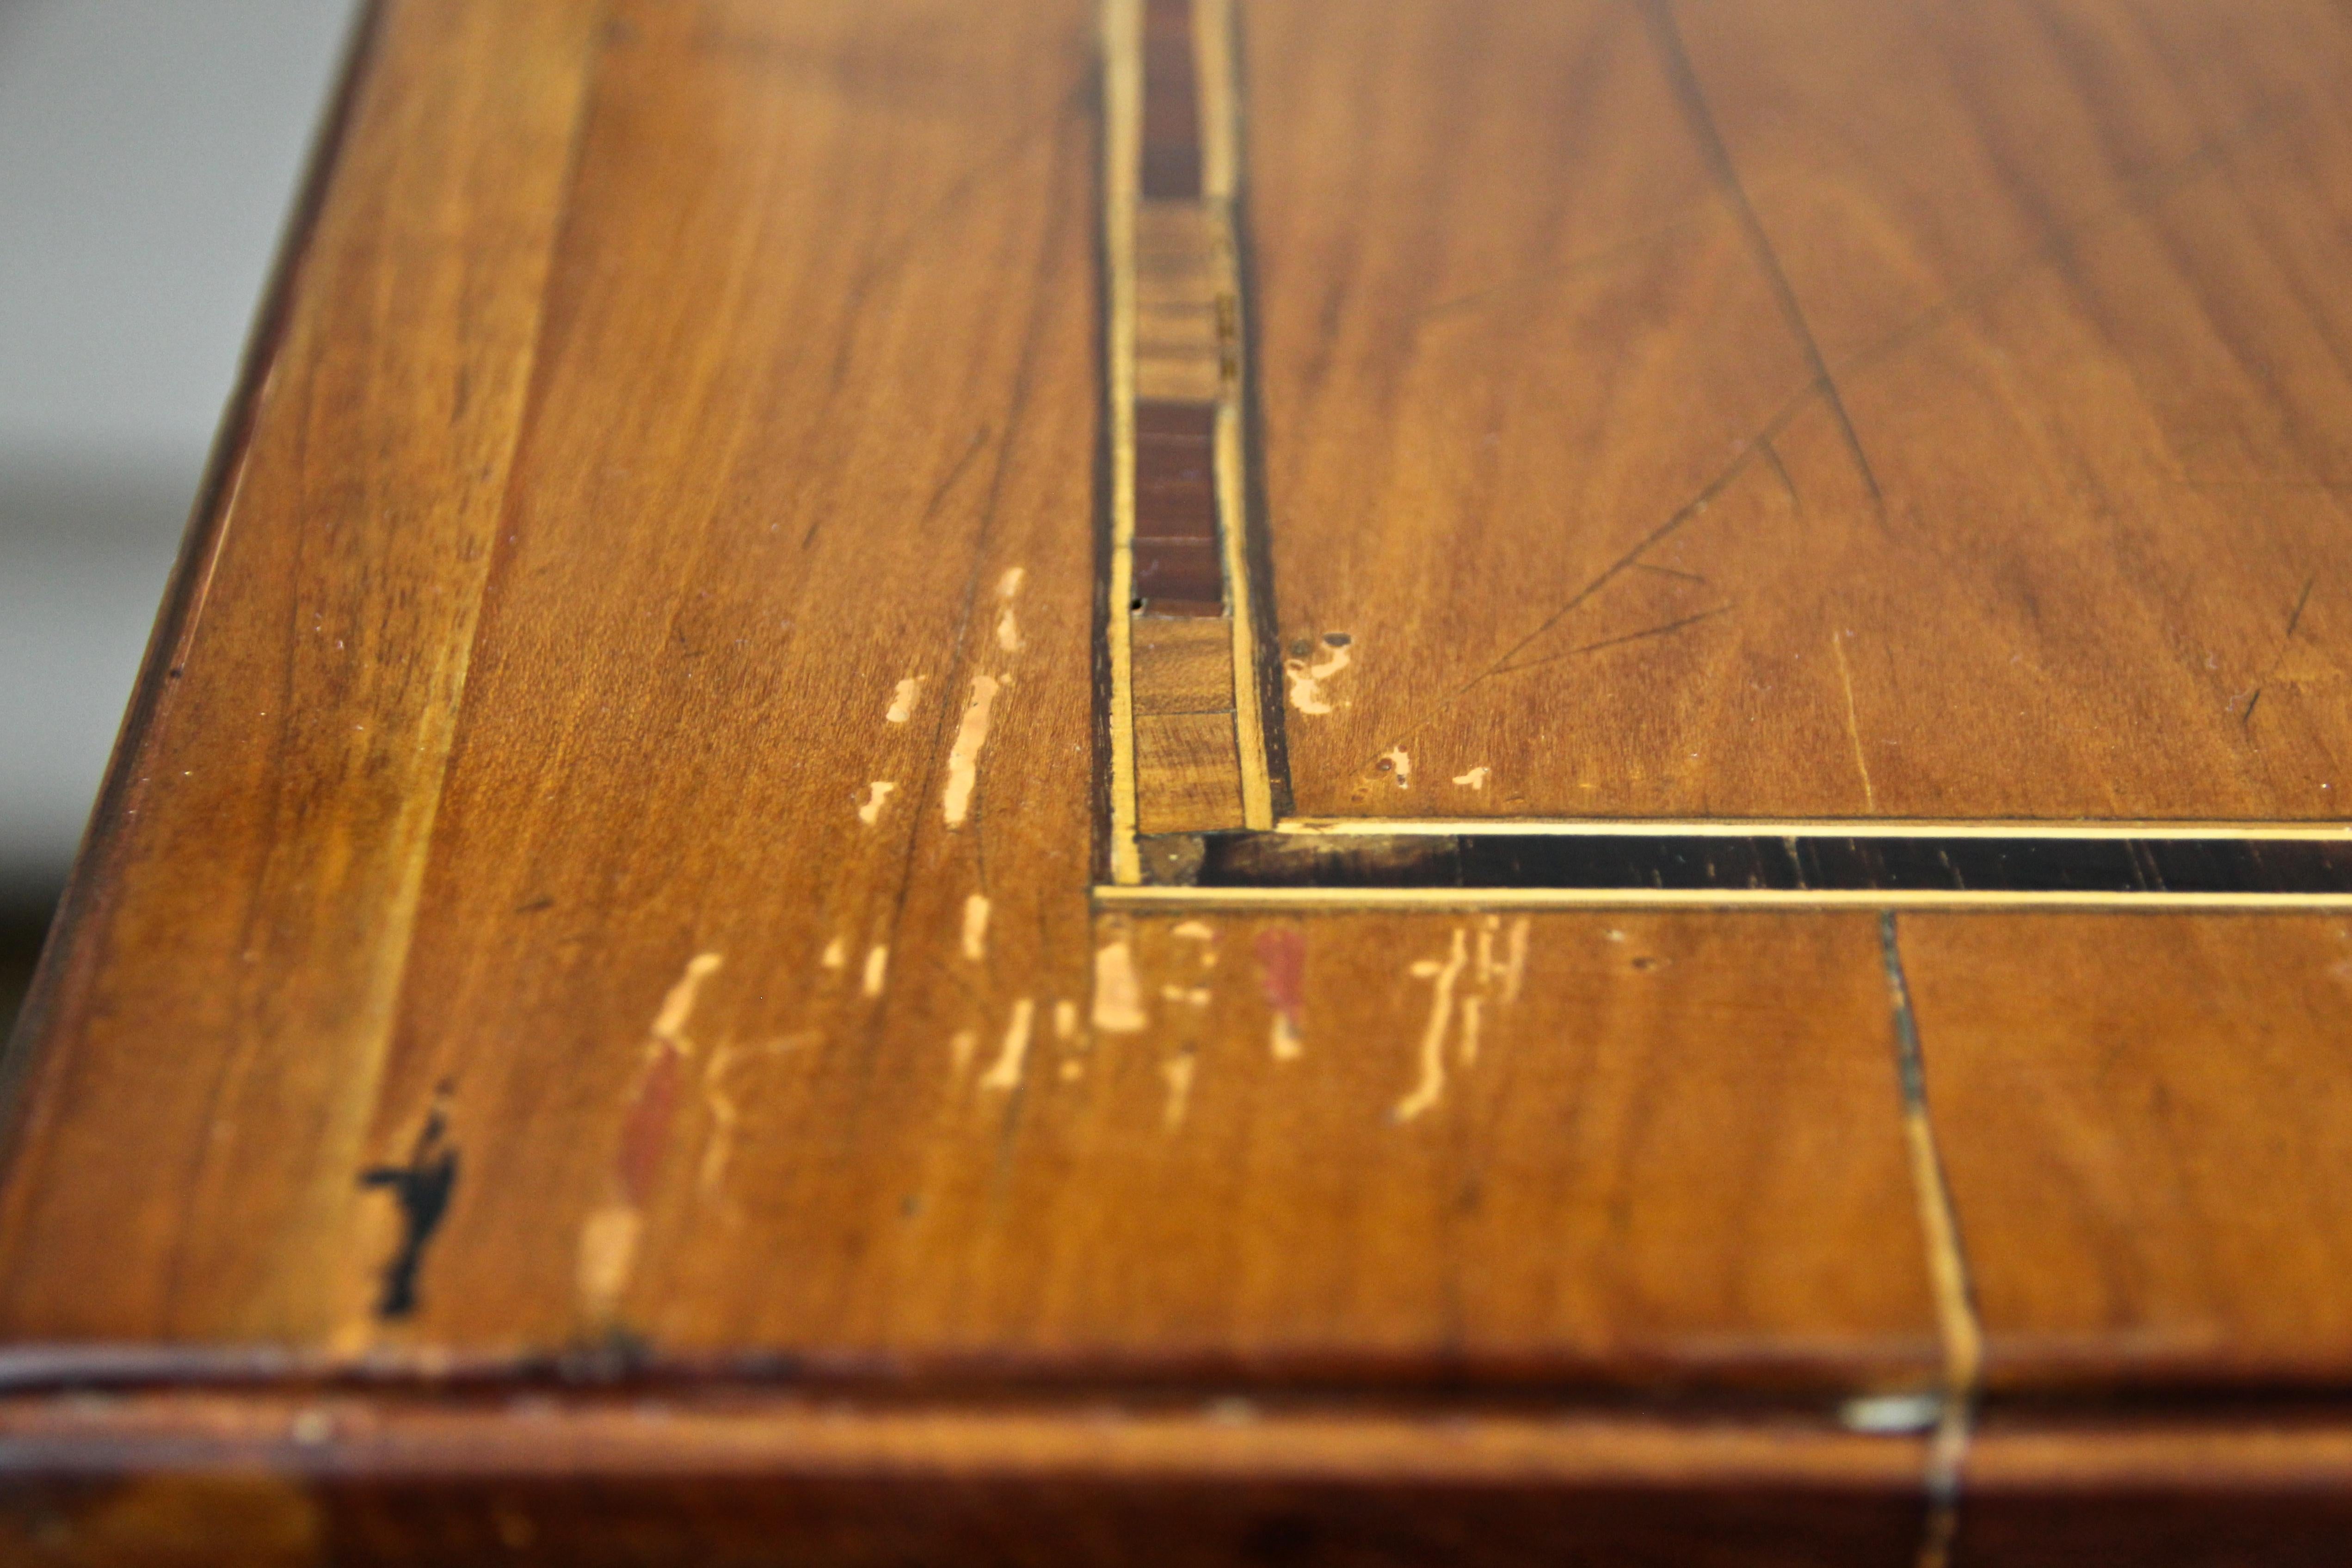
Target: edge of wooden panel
{"x": 191, "y": 575}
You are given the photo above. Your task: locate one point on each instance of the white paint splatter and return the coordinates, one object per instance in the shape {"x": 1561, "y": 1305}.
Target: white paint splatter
{"x": 1285, "y": 1042}
{"x": 1005, "y": 1072}
{"x": 870, "y": 812}
{"x": 1400, "y": 764}
{"x": 1008, "y": 628}
{"x": 902, "y": 701}
{"x": 1118, "y": 999}
{"x": 1198, "y": 996}
{"x": 1432, "y": 1087}
{"x": 1515, "y": 969}
{"x": 1476, "y": 778}
{"x": 975, "y": 928}
{"x": 963, "y": 758}
{"x": 1066, "y": 1020}
{"x": 878, "y": 965}
{"x": 836, "y": 954}
{"x": 608, "y": 1251}
{"x": 1307, "y": 692}
{"x": 961, "y": 1048}
{"x": 1473, "y": 1010}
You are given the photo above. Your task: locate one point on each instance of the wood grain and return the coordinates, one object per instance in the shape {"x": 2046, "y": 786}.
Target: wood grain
{"x": 2241, "y": 1485}
{"x": 582, "y": 1480}
{"x": 699, "y": 1006}
{"x": 1837, "y": 408}
{"x": 267, "y": 823}
{"x": 2148, "y": 1123}
{"x": 586, "y": 1031}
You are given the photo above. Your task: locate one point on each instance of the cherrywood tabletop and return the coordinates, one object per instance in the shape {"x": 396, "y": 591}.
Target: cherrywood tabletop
{"x": 1285, "y": 781}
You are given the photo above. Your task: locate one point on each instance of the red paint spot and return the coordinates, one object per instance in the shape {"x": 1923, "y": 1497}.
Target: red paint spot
{"x": 1282, "y": 956}
{"x": 645, "y": 1134}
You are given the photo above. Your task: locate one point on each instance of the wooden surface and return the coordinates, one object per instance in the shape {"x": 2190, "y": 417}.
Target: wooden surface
{"x": 647, "y": 985}
{"x": 1824, "y": 409}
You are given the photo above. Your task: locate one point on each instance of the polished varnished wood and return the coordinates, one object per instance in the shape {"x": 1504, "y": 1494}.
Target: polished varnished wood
{"x": 648, "y": 984}
{"x": 2148, "y": 1128}
{"x": 1836, "y": 409}
{"x": 583, "y": 1480}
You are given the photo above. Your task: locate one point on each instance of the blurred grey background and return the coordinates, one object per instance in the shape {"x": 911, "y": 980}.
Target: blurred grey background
{"x": 149, "y": 151}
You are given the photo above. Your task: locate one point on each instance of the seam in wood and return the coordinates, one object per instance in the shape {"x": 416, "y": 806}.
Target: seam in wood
{"x": 1221, "y": 186}
{"x": 1978, "y": 901}
{"x": 1947, "y": 1267}
{"x": 1122, "y": 96}
{"x": 1817, "y": 827}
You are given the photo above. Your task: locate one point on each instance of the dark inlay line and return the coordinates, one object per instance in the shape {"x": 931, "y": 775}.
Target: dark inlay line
{"x": 1700, "y": 863}
{"x": 1179, "y": 567}
{"x": 1171, "y": 108}
{"x": 1175, "y": 471}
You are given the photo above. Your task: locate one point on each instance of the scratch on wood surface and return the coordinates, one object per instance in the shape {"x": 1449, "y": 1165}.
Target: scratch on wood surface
{"x": 975, "y": 928}
{"x": 878, "y": 967}
{"x": 1473, "y": 1012}
{"x": 1852, "y": 720}
{"x": 1396, "y": 760}
{"x": 1177, "y": 1074}
{"x": 2286, "y": 643}
{"x": 2138, "y": 197}
{"x": 1476, "y": 778}
{"x": 1664, "y": 629}
{"x": 1119, "y": 997}
{"x": 1065, "y": 1021}
{"x": 902, "y": 700}
{"x": 1431, "y": 1088}
{"x": 1307, "y": 680}
{"x": 1014, "y": 1054}
{"x": 963, "y": 756}
{"x": 720, "y": 1147}
{"x": 836, "y": 954}
{"x": 1515, "y": 967}
{"x": 870, "y": 811}
{"x": 1667, "y": 38}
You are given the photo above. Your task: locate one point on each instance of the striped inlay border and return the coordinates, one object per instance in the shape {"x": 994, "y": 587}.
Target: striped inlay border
{"x": 1197, "y": 784}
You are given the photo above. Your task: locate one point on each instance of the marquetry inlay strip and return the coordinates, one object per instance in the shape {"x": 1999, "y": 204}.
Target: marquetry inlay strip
{"x": 1196, "y": 791}
{"x": 1189, "y": 747}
